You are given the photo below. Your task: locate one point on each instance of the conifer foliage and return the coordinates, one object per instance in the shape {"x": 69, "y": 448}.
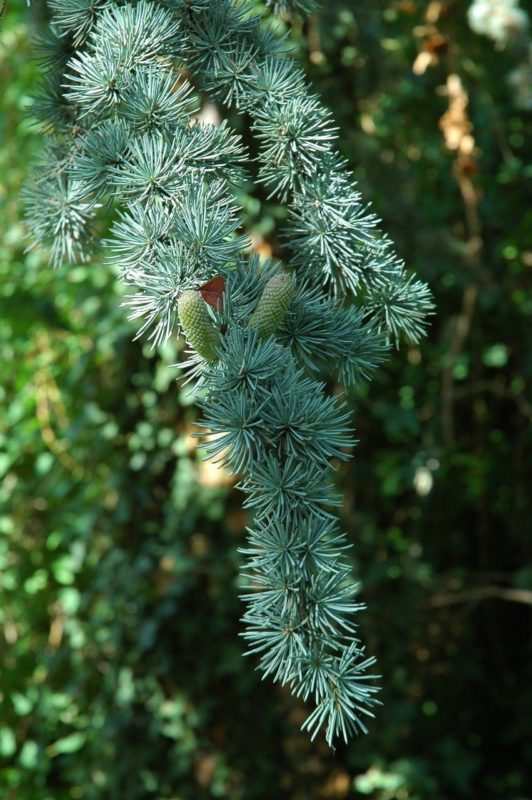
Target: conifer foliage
{"x": 118, "y": 100}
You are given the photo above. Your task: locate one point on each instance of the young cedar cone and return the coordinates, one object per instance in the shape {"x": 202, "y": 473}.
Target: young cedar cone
{"x": 273, "y": 305}
{"x": 197, "y": 324}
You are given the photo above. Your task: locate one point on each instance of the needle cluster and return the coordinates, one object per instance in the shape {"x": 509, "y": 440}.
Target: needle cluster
{"x": 119, "y": 102}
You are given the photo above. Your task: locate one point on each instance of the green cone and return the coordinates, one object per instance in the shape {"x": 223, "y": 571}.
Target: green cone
{"x": 197, "y": 324}
{"x": 273, "y": 305}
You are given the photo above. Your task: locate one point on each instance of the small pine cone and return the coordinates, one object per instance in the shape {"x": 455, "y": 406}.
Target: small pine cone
{"x": 273, "y": 305}
{"x": 197, "y": 324}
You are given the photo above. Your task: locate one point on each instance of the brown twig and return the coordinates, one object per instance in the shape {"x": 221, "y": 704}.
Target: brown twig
{"x": 499, "y": 389}
{"x": 458, "y": 132}
{"x": 479, "y": 593}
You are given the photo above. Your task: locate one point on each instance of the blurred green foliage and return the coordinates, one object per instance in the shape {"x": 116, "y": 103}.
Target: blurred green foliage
{"x": 120, "y": 662}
